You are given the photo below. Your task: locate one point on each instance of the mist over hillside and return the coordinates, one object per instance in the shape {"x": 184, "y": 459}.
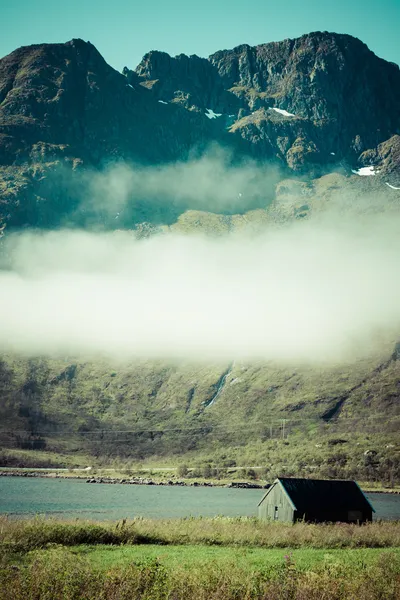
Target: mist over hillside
{"x": 322, "y": 289}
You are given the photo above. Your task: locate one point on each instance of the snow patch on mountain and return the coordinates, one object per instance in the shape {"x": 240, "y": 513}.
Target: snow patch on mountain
{"x": 211, "y": 114}
{"x": 364, "y": 171}
{"x": 283, "y": 112}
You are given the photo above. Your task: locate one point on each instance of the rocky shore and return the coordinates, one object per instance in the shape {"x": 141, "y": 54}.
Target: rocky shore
{"x": 147, "y": 481}
{"x": 170, "y": 482}
{"x": 134, "y": 480}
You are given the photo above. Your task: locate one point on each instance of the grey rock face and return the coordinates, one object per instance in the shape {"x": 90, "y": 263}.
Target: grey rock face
{"x": 344, "y": 99}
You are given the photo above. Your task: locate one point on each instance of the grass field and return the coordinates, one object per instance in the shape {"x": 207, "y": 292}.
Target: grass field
{"x": 27, "y": 535}
{"x": 201, "y": 573}
{"x": 198, "y": 559}
{"x": 195, "y": 556}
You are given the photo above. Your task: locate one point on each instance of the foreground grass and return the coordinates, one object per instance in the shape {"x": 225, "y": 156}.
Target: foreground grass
{"x": 58, "y": 573}
{"x": 195, "y": 556}
{"x": 198, "y": 559}
{"x": 25, "y": 535}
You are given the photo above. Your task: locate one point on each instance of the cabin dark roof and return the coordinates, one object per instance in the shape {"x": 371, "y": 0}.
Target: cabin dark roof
{"x": 310, "y": 494}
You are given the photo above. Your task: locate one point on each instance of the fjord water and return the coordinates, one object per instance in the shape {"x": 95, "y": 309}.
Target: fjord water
{"x": 61, "y": 498}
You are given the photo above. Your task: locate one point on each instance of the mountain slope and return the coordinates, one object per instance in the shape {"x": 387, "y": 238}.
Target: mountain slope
{"x": 63, "y": 100}
{"x": 144, "y": 409}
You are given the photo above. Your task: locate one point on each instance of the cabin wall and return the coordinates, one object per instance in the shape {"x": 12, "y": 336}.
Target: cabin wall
{"x": 323, "y": 516}
{"x": 276, "y": 506}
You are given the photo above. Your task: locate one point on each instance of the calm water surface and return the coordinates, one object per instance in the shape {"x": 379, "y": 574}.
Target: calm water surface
{"x": 67, "y": 499}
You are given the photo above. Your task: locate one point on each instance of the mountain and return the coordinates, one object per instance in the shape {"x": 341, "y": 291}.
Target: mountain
{"x": 320, "y": 102}
{"x": 63, "y": 109}
{"x": 313, "y": 100}
{"x": 323, "y": 110}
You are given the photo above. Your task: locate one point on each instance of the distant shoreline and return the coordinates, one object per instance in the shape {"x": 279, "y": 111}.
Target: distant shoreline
{"x": 131, "y": 480}
{"x": 55, "y": 474}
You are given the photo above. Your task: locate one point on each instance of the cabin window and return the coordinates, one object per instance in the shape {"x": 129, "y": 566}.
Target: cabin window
{"x": 276, "y": 513}
{"x": 354, "y": 515}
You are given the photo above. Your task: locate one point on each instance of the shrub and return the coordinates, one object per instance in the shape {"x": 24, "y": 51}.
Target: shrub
{"x": 251, "y": 474}
{"x": 182, "y": 470}
{"x": 207, "y": 471}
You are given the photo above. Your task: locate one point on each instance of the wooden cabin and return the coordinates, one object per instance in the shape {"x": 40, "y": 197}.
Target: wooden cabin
{"x": 315, "y": 500}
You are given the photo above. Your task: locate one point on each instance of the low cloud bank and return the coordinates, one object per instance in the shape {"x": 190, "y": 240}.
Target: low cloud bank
{"x": 314, "y": 291}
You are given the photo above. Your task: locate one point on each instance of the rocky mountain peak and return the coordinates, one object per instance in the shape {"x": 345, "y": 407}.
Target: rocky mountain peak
{"x": 310, "y": 103}
{"x": 324, "y": 91}
{"x": 188, "y": 80}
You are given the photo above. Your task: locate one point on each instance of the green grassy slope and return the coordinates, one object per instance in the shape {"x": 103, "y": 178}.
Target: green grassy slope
{"x": 285, "y": 419}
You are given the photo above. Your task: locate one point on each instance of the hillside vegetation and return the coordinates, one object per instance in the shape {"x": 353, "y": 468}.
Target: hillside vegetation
{"x": 336, "y": 421}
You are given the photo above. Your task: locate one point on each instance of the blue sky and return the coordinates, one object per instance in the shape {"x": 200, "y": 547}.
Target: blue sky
{"x": 124, "y": 30}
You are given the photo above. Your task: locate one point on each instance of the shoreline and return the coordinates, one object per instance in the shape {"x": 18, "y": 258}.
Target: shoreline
{"x": 134, "y": 480}
{"x": 154, "y": 482}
